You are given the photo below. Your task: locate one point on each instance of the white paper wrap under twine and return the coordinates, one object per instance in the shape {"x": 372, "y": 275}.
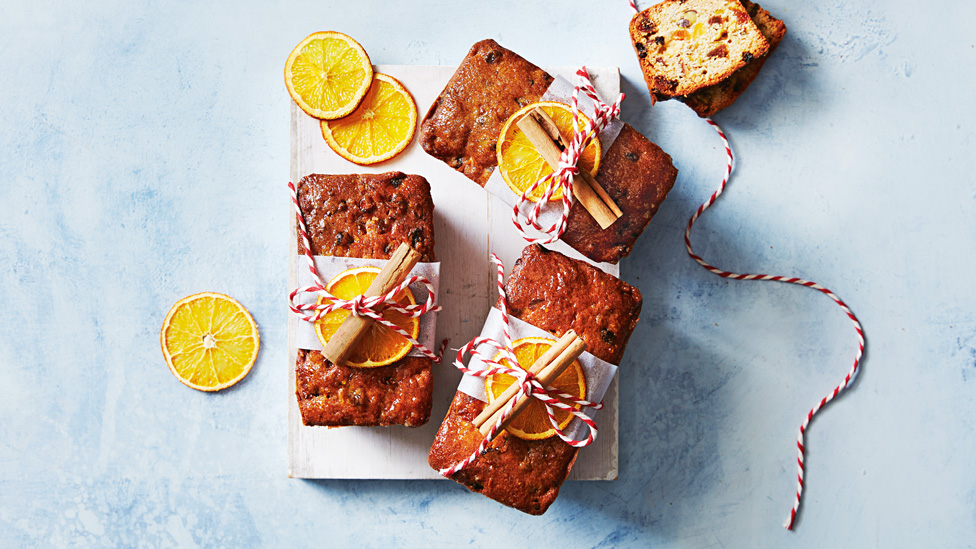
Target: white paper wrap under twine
{"x": 330, "y": 266}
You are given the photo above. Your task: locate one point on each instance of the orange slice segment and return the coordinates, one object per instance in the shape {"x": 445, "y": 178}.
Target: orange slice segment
{"x": 209, "y": 341}
{"x": 381, "y": 345}
{"x": 520, "y": 164}
{"x": 379, "y": 129}
{"x": 533, "y": 423}
{"x": 328, "y": 74}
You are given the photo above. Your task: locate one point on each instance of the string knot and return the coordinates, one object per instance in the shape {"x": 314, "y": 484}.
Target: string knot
{"x": 357, "y": 306}
{"x": 561, "y": 180}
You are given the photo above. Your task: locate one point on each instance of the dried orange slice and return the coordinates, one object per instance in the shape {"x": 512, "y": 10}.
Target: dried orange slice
{"x": 380, "y": 127}
{"x": 533, "y": 422}
{"x": 209, "y": 341}
{"x": 520, "y": 164}
{"x": 328, "y": 74}
{"x": 381, "y": 345}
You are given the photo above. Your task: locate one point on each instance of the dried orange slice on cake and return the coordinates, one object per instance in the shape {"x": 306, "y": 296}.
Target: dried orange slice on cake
{"x": 328, "y": 74}
{"x": 209, "y": 341}
{"x": 533, "y": 422}
{"x": 520, "y": 164}
{"x": 381, "y": 126}
{"x": 380, "y": 345}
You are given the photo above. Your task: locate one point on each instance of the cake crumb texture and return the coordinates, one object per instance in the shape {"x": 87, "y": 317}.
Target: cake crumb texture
{"x": 686, "y": 45}
{"x": 708, "y": 101}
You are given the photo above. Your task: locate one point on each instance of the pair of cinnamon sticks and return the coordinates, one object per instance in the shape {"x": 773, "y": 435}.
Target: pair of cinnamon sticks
{"x": 546, "y": 369}
{"x": 549, "y": 142}
{"x": 353, "y": 328}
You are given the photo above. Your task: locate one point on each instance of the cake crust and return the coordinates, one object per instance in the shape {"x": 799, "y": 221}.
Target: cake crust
{"x": 555, "y": 293}
{"x": 559, "y": 293}
{"x": 398, "y": 394}
{"x": 365, "y": 216}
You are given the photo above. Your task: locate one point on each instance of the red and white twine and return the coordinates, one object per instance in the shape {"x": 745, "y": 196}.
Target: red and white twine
{"x": 562, "y": 178}
{"x": 528, "y": 384}
{"x": 372, "y": 307}
{"x": 790, "y": 280}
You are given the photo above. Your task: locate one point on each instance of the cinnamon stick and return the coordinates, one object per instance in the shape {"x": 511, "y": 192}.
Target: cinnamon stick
{"x": 540, "y": 363}
{"x": 556, "y": 135}
{"x": 353, "y": 328}
{"x": 545, "y": 136}
{"x": 548, "y": 374}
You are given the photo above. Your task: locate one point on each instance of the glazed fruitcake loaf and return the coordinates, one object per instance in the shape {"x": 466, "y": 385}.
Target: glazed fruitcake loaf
{"x": 555, "y": 293}
{"x": 686, "y": 45}
{"x": 710, "y": 100}
{"x": 493, "y": 83}
{"x": 365, "y": 216}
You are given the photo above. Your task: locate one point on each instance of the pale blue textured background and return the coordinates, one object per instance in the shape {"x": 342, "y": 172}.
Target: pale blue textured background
{"x": 143, "y": 155}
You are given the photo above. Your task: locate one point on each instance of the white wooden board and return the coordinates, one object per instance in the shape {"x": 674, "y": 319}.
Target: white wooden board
{"x": 469, "y": 225}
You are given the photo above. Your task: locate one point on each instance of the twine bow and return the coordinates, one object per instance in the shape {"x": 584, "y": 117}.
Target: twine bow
{"x": 562, "y": 178}
{"x": 371, "y": 307}
{"x": 528, "y": 385}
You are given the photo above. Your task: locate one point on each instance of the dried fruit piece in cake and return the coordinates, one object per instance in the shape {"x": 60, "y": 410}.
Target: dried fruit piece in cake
{"x": 686, "y": 45}
{"x": 367, "y": 216}
{"x": 710, "y": 100}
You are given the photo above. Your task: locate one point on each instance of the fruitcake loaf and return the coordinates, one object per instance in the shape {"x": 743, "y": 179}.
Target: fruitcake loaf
{"x": 365, "y": 216}
{"x": 493, "y": 83}
{"x": 554, "y": 293}
{"x": 710, "y": 100}
{"x": 686, "y": 45}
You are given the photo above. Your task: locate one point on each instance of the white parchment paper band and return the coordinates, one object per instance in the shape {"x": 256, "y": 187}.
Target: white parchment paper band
{"x": 599, "y": 373}
{"x": 330, "y": 266}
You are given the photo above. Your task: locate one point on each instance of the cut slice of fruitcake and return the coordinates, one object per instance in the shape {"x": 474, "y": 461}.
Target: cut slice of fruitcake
{"x": 686, "y": 45}
{"x": 710, "y": 100}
